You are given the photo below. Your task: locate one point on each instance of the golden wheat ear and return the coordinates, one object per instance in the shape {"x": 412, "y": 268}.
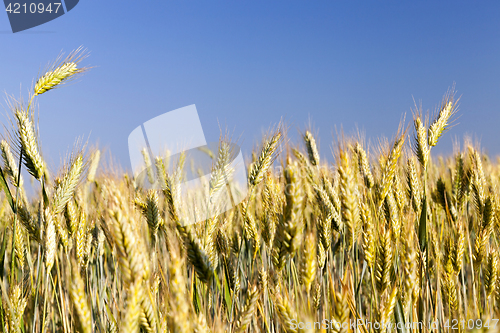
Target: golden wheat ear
{"x": 14, "y": 306}
{"x": 66, "y": 187}
{"x": 61, "y": 71}
{"x": 247, "y": 312}
{"x": 80, "y": 300}
{"x": 442, "y": 122}
{"x": 421, "y": 149}
{"x": 348, "y": 198}
{"x": 364, "y": 165}
{"x": 312, "y": 149}
{"x": 29, "y": 144}
{"x": 266, "y": 158}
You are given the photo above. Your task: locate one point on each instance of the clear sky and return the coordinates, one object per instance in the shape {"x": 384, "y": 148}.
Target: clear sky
{"x": 245, "y": 64}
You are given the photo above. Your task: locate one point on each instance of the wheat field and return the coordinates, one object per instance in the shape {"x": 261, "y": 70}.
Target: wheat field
{"x": 387, "y": 237}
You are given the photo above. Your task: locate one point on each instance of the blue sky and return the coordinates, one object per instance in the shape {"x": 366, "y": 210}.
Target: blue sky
{"x": 246, "y": 64}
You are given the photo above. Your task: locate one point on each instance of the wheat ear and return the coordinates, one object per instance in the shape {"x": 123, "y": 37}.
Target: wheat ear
{"x": 414, "y": 187}
{"x": 387, "y": 309}
{"x": 421, "y": 148}
{"x": 67, "y": 186}
{"x": 50, "y": 239}
{"x": 312, "y": 149}
{"x": 286, "y": 314}
{"x": 491, "y": 273}
{"x": 71, "y": 216}
{"x": 152, "y": 212}
{"x": 266, "y": 158}
{"x": 348, "y": 199}
{"x": 94, "y": 163}
{"x": 245, "y": 317}
{"x": 147, "y": 317}
{"x": 449, "y": 287}
{"x": 441, "y": 123}
{"x": 410, "y": 270}
{"x": 221, "y": 170}
{"x": 60, "y": 72}
{"x": 10, "y": 164}
{"x": 288, "y": 233}
{"x": 384, "y": 259}
{"x": 20, "y": 244}
{"x": 149, "y": 166}
{"x": 369, "y": 248}
{"x": 14, "y": 310}
{"x": 390, "y": 168}
{"x": 341, "y": 311}
{"x": 178, "y": 320}
{"x": 271, "y": 208}
{"x": 29, "y": 145}
{"x": 196, "y": 254}
{"x": 308, "y": 263}
{"x": 80, "y": 301}
{"x": 364, "y": 165}
{"x": 131, "y": 320}
{"x": 132, "y": 256}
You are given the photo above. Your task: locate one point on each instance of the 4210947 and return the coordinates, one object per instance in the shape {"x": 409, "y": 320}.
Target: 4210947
{"x": 33, "y": 8}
